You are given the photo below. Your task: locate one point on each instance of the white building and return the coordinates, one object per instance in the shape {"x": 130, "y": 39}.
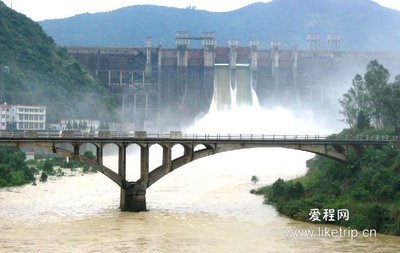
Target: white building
{"x": 27, "y": 117}
{"x": 4, "y": 111}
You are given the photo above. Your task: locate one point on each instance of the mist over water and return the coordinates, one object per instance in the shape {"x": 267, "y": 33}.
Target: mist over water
{"x": 257, "y": 120}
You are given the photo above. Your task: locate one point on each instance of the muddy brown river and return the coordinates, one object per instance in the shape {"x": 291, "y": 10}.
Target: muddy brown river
{"x": 203, "y": 207}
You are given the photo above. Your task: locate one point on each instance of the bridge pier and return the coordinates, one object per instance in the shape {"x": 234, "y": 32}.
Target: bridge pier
{"x": 144, "y": 164}
{"x": 99, "y": 153}
{"x": 133, "y": 195}
{"x": 167, "y": 158}
{"x": 188, "y": 151}
{"x": 133, "y": 198}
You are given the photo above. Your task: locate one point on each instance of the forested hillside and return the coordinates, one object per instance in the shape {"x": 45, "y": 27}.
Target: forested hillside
{"x": 42, "y": 73}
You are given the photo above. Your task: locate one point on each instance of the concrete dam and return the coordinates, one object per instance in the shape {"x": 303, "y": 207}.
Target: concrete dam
{"x": 168, "y": 87}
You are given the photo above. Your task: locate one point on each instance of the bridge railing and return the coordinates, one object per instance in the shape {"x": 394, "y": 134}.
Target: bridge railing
{"x": 179, "y": 135}
{"x": 291, "y": 137}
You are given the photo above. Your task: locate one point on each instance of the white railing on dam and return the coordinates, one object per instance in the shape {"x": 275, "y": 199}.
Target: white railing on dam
{"x": 178, "y": 135}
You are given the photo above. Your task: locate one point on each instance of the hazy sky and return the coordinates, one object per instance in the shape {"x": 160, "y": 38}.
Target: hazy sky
{"x": 50, "y": 9}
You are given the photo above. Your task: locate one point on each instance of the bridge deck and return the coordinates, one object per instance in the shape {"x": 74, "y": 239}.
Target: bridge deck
{"x": 118, "y": 137}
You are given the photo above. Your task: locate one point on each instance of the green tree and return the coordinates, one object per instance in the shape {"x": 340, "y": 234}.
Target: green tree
{"x": 298, "y": 190}
{"x": 13, "y": 169}
{"x": 363, "y": 121}
{"x": 89, "y": 155}
{"x": 277, "y": 190}
{"x": 17, "y": 178}
{"x": 354, "y": 101}
{"x": 391, "y": 104}
{"x": 47, "y": 167}
{"x": 376, "y": 81}
{"x": 372, "y": 100}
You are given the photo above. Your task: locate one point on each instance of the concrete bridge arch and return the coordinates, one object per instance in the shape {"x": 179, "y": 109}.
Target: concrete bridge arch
{"x": 194, "y": 148}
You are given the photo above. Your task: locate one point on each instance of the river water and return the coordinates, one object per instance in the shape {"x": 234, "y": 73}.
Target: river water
{"x": 202, "y": 207}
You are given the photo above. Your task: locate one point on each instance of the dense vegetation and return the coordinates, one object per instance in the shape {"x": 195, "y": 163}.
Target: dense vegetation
{"x": 362, "y": 25}
{"x": 42, "y": 73}
{"x": 368, "y": 186}
{"x": 13, "y": 169}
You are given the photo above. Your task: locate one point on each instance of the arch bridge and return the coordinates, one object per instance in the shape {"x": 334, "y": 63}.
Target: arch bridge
{"x": 133, "y": 194}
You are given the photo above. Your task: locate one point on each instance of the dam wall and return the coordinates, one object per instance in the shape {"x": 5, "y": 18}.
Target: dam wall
{"x": 156, "y": 86}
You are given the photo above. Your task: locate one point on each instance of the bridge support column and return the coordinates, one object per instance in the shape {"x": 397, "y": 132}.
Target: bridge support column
{"x": 124, "y": 195}
{"x": 76, "y": 150}
{"x": 133, "y": 195}
{"x": 144, "y": 164}
{"x": 133, "y": 198}
{"x": 167, "y": 158}
{"x": 99, "y": 153}
{"x": 189, "y": 152}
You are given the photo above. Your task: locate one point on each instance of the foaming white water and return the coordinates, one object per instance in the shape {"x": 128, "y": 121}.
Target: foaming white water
{"x": 222, "y": 96}
{"x": 254, "y": 98}
{"x": 256, "y": 120}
